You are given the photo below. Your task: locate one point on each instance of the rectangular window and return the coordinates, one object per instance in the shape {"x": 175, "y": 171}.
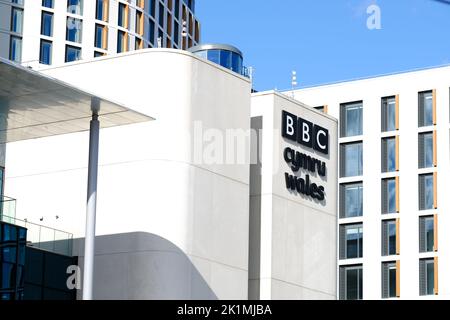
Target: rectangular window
{"x": 102, "y": 10}
{"x": 389, "y": 154}
{"x": 351, "y": 119}
{"x": 177, "y": 9}
{"x": 426, "y": 277}
{"x": 176, "y": 34}
{"x": 152, "y": 8}
{"x": 101, "y": 36}
{"x": 351, "y": 282}
{"x": 47, "y": 3}
{"x": 426, "y": 192}
{"x": 426, "y": 234}
{"x": 389, "y": 196}
{"x": 426, "y": 150}
{"x": 389, "y": 280}
{"x": 161, "y": 15}
{"x": 74, "y": 29}
{"x": 45, "y": 55}
{"x": 98, "y": 54}
{"x": 47, "y": 24}
{"x": 17, "y": 2}
{"x": 138, "y": 44}
{"x": 389, "y": 114}
{"x": 122, "y": 42}
{"x": 351, "y": 241}
{"x": 351, "y": 159}
{"x": 16, "y": 20}
{"x": 72, "y": 53}
{"x": 123, "y": 15}
{"x": 75, "y": 6}
{"x": 389, "y": 238}
{"x": 351, "y": 200}
{"x": 426, "y": 109}
{"x": 139, "y": 23}
{"x": 15, "y": 49}
{"x": 151, "y": 32}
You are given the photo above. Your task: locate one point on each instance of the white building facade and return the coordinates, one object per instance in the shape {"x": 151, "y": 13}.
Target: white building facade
{"x": 38, "y": 33}
{"x": 394, "y": 162}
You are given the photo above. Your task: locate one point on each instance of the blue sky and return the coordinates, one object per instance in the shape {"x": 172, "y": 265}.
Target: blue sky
{"x": 328, "y": 40}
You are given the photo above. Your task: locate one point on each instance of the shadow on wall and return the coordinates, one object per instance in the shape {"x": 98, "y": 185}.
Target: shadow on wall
{"x": 144, "y": 266}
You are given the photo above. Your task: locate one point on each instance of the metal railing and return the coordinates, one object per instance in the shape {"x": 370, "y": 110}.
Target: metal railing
{"x": 43, "y": 237}
{"x": 7, "y": 208}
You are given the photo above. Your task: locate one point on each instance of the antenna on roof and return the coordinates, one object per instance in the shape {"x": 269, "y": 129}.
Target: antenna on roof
{"x": 294, "y": 82}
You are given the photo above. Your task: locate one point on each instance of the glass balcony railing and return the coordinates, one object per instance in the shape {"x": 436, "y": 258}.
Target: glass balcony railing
{"x": 44, "y": 238}
{"x": 7, "y": 208}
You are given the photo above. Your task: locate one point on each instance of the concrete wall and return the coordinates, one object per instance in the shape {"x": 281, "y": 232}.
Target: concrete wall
{"x": 407, "y": 86}
{"x": 292, "y": 238}
{"x": 149, "y": 180}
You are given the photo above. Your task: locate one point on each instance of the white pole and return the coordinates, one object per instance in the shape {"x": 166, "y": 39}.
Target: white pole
{"x": 91, "y": 210}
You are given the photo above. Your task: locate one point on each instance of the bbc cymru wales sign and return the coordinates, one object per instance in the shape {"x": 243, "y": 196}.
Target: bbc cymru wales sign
{"x": 300, "y": 131}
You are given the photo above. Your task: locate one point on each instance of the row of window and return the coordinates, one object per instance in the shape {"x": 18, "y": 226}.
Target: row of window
{"x": 351, "y": 114}
{"x": 351, "y": 280}
{"x": 351, "y": 196}
{"x": 351, "y": 238}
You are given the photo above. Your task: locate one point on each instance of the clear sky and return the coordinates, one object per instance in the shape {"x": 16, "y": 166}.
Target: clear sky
{"x": 328, "y": 40}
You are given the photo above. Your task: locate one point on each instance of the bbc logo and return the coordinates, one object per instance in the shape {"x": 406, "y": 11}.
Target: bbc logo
{"x": 305, "y": 132}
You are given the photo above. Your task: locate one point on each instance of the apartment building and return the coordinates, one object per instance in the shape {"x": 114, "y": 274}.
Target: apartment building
{"x": 393, "y": 165}
{"x": 38, "y": 33}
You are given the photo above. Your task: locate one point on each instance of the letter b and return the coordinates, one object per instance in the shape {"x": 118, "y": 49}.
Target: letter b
{"x": 289, "y": 126}
{"x": 306, "y": 133}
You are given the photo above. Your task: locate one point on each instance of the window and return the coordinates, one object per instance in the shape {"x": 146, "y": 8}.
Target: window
{"x": 75, "y": 6}
{"x": 426, "y": 277}
{"x": 15, "y": 49}
{"x": 389, "y": 280}
{"x": 351, "y": 119}
{"x": 152, "y": 8}
{"x": 138, "y": 44}
{"x": 426, "y": 109}
{"x": 351, "y": 241}
{"x": 16, "y": 20}
{"x": 389, "y": 196}
{"x": 47, "y": 24}
{"x": 351, "y": 200}
{"x": 123, "y": 15}
{"x": 2, "y": 183}
{"x": 45, "y": 55}
{"x": 351, "y": 159}
{"x": 426, "y": 234}
{"x": 151, "y": 32}
{"x": 426, "y": 150}
{"x": 98, "y": 54}
{"x": 101, "y": 12}
{"x": 351, "y": 282}
{"x": 161, "y": 15}
{"x": 389, "y": 238}
{"x": 389, "y": 154}
{"x": 101, "y": 36}
{"x": 139, "y": 23}
{"x": 426, "y": 192}
{"x": 72, "y": 53}
{"x": 122, "y": 40}
{"x": 17, "y": 1}
{"x": 47, "y": 3}
{"x": 388, "y": 114}
{"x": 73, "y": 30}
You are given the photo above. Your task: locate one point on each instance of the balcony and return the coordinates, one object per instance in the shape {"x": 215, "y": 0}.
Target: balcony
{"x": 38, "y": 236}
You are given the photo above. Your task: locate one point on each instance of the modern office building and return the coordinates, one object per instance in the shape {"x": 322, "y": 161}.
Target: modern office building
{"x": 393, "y": 166}
{"x": 176, "y": 216}
{"x": 37, "y": 33}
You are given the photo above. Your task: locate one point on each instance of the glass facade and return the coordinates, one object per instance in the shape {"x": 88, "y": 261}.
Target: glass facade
{"x": 47, "y": 3}
{"x": 426, "y": 192}
{"x": 389, "y": 196}
{"x": 426, "y": 234}
{"x": 388, "y": 154}
{"x": 351, "y": 241}
{"x": 12, "y": 261}
{"x": 226, "y": 58}
{"x": 15, "y": 49}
